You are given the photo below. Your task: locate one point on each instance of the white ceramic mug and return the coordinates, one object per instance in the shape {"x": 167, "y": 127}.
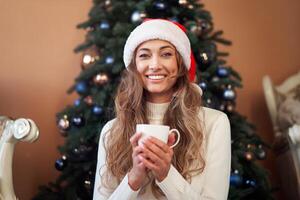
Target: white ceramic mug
{"x": 160, "y": 132}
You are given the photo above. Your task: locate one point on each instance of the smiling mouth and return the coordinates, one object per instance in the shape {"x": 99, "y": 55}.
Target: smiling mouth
{"x": 155, "y": 77}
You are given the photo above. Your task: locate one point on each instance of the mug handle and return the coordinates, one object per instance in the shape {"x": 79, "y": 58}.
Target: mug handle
{"x": 178, "y": 136}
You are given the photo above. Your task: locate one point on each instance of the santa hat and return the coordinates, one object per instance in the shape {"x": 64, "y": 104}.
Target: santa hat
{"x": 163, "y": 29}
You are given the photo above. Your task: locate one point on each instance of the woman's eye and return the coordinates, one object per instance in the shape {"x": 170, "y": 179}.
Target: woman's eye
{"x": 167, "y": 54}
{"x": 143, "y": 55}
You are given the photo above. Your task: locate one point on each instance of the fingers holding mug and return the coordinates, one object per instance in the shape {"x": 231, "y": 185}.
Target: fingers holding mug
{"x": 171, "y": 138}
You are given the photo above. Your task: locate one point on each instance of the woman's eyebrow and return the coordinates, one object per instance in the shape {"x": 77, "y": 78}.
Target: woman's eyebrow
{"x": 161, "y": 48}
{"x": 167, "y": 46}
{"x": 143, "y": 49}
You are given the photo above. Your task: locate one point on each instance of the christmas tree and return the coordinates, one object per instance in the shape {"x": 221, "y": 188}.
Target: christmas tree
{"x": 108, "y": 26}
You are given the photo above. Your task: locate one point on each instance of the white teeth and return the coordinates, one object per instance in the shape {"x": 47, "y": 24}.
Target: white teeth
{"x": 156, "y": 77}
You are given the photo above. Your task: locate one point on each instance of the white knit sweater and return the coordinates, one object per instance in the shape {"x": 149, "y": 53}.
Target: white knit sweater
{"x": 212, "y": 183}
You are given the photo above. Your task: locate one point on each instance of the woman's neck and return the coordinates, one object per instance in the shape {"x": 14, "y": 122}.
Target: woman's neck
{"x": 158, "y": 98}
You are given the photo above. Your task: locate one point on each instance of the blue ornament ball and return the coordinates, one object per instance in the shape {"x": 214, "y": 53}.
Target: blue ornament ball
{"x": 60, "y": 164}
{"x": 97, "y": 110}
{"x": 136, "y": 16}
{"x": 250, "y": 183}
{"x": 229, "y": 94}
{"x": 78, "y": 121}
{"x": 235, "y": 179}
{"x": 160, "y": 5}
{"x": 104, "y": 25}
{"x": 81, "y": 87}
{"x": 109, "y": 60}
{"x": 203, "y": 85}
{"x": 222, "y": 72}
{"x": 77, "y": 102}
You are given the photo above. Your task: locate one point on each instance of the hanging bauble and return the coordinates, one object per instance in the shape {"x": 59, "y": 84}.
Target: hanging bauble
{"x": 78, "y": 121}
{"x": 107, "y": 5}
{"x": 260, "y": 154}
{"x": 204, "y": 58}
{"x": 190, "y": 6}
{"x": 203, "y": 85}
{"x": 182, "y": 2}
{"x": 208, "y": 103}
{"x": 138, "y": 16}
{"x": 229, "y": 94}
{"x": 109, "y": 60}
{"x": 104, "y": 25}
{"x": 88, "y": 100}
{"x": 236, "y": 180}
{"x": 229, "y": 106}
{"x": 88, "y": 183}
{"x": 194, "y": 27}
{"x": 77, "y": 102}
{"x": 206, "y": 26}
{"x": 100, "y": 79}
{"x": 249, "y": 156}
{"x": 160, "y": 5}
{"x": 60, "y": 164}
{"x": 215, "y": 79}
{"x": 97, "y": 110}
{"x": 207, "y": 56}
{"x": 89, "y": 57}
{"x": 63, "y": 124}
{"x": 222, "y": 72}
{"x": 81, "y": 87}
{"x": 222, "y": 107}
{"x": 250, "y": 183}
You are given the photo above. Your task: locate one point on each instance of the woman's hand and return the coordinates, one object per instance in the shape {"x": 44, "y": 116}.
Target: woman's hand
{"x": 157, "y": 156}
{"x": 138, "y": 172}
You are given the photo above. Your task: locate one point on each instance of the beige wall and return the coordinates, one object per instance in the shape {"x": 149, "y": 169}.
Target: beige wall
{"x": 265, "y": 36}
{"x": 38, "y": 65}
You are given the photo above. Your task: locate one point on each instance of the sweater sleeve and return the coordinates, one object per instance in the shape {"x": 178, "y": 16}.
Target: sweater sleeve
{"x": 217, "y": 169}
{"x": 115, "y": 191}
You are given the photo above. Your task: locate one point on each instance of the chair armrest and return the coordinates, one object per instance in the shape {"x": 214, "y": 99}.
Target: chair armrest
{"x": 13, "y": 132}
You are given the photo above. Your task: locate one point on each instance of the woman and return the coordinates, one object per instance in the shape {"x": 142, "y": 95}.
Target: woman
{"x": 156, "y": 89}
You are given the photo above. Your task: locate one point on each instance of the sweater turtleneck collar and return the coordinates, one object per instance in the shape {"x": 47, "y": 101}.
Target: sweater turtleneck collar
{"x": 156, "y": 111}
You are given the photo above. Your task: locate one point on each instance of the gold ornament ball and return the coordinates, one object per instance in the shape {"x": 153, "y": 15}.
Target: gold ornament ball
{"x": 230, "y": 107}
{"x": 108, "y": 5}
{"x": 100, "y": 79}
{"x": 143, "y": 15}
{"x": 195, "y": 28}
{"x": 190, "y": 6}
{"x": 63, "y": 124}
{"x": 89, "y": 57}
{"x": 249, "y": 156}
{"x": 88, "y": 100}
{"x": 182, "y": 2}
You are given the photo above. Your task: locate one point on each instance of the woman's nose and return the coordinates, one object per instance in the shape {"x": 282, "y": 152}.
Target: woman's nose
{"x": 154, "y": 63}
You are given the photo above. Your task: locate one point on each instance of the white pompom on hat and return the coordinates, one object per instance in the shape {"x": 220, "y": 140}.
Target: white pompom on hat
{"x": 158, "y": 29}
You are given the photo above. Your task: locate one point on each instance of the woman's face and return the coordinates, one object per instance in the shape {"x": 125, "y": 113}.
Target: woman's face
{"x": 157, "y": 65}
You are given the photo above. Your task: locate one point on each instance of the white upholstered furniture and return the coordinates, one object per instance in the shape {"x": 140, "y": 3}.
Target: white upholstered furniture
{"x": 11, "y": 132}
{"x": 286, "y": 143}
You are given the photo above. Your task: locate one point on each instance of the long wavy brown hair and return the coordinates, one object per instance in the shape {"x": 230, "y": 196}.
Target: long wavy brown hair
{"x": 182, "y": 114}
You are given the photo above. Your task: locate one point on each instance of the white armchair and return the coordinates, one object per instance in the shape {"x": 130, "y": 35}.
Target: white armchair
{"x": 284, "y": 112}
{"x": 11, "y": 132}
